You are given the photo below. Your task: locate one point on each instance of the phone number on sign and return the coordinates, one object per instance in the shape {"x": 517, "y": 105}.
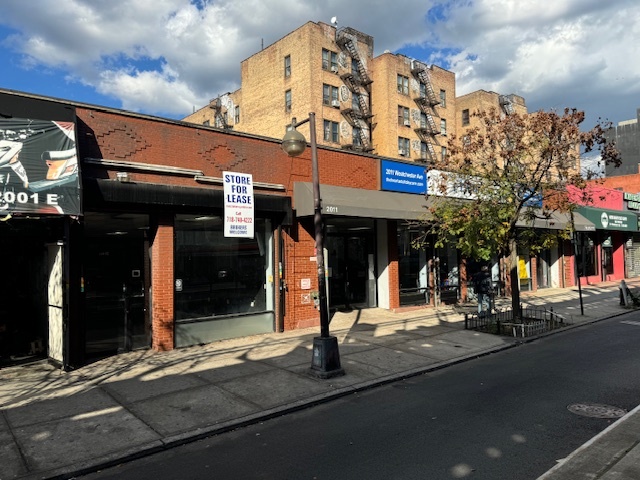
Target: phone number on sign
{"x": 239, "y": 220}
{"x": 23, "y": 197}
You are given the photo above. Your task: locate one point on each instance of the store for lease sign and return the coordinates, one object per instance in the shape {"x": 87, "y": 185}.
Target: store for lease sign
{"x": 238, "y": 204}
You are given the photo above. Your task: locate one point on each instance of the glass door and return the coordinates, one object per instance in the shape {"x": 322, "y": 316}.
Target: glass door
{"x": 116, "y": 269}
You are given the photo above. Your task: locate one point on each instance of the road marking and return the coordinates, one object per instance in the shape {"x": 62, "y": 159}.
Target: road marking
{"x": 631, "y": 322}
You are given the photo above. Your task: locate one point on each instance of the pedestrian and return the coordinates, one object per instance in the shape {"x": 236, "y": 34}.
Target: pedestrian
{"x": 482, "y": 287}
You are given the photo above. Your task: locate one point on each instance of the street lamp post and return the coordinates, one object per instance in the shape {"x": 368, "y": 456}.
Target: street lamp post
{"x": 325, "y": 362}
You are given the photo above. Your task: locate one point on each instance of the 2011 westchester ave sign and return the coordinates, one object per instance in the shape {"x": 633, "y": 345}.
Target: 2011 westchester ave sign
{"x": 402, "y": 177}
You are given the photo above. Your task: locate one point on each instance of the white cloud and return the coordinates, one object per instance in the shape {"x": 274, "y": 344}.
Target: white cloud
{"x": 569, "y": 53}
{"x": 166, "y": 56}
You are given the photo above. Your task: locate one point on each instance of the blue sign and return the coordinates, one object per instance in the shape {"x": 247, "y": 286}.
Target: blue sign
{"x": 403, "y": 177}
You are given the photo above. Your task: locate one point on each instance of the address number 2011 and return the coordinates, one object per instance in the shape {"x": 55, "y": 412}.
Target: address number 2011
{"x": 331, "y": 209}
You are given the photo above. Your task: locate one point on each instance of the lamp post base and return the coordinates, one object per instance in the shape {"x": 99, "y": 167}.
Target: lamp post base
{"x": 325, "y": 362}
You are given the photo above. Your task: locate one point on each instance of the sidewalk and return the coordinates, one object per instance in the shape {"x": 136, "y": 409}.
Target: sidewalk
{"x": 57, "y": 424}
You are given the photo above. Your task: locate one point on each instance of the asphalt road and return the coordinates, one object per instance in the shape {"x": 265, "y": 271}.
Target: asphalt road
{"x": 503, "y": 416}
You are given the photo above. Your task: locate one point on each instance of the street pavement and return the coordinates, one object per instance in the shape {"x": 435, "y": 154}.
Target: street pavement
{"x": 57, "y": 424}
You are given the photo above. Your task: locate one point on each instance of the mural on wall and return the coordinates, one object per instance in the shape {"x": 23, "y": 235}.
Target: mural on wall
{"x": 344, "y": 93}
{"x": 345, "y": 129}
{"x": 38, "y": 167}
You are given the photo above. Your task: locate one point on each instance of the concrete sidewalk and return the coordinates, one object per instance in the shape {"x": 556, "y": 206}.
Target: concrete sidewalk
{"x": 57, "y": 424}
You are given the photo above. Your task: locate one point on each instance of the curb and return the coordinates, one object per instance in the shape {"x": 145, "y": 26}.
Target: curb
{"x": 167, "y": 443}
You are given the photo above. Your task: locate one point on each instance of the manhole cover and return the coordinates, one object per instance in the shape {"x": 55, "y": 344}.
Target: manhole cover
{"x": 596, "y": 410}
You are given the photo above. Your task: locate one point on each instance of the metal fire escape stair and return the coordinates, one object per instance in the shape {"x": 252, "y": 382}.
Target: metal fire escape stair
{"x": 426, "y": 102}
{"x": 359, "y": 84}
{"x": 507, "y": 104}
{"x": 220, "y": 120}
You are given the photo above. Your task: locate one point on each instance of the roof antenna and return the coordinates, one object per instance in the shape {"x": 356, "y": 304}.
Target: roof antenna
{"x": 334, "y": 21}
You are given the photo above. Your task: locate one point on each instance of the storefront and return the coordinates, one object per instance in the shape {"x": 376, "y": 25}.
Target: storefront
{"x": 224, "y": 286}
{"x": 632, "y": 243}
{"x": 368, "y": 243}
{"x": 601, "y": 254}
{"x": 40, "y": 200}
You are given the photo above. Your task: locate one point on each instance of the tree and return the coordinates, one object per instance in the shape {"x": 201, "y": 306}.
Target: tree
{"x": 507, "y": 174}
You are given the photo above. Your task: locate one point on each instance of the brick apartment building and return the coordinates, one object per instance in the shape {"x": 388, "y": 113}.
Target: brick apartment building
{"x": 389, "y": 105}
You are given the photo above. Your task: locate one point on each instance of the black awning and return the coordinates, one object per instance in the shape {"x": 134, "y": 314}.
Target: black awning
{"x": 102, "y": 194}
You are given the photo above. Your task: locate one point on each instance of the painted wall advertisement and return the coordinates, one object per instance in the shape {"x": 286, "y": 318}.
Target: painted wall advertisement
{"x": 38, "y": 167}
{"x": 238, "y": 204}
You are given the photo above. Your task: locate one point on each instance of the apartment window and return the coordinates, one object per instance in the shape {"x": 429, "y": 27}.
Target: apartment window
{"x": 423, "y": 90}
{"x": 443, "y": 153}
{"x": 403, "y": 85}
{"x": 287, "y": 66}
{"x": 403, "y": 146}
{"x": 403, "y": 116}
{"x": 357, "y": 136}
{"x": 423, "y": 120}
{"x": 423, "y": 150}
{"x": 465, "y": 117}
{"x": 443, "y": 99}
{"x": 206, "y": 123}
{"x": 331, "y": 131}
{"x": 330, "y": 95}
{"x": 329, "y": 60}
{"x": 355, "y": 102}
{"x": 354, "y": 69}
{"x": 236, "y": 116}
{"x": 443, "y": 127}
{"x": 287, "y": 100}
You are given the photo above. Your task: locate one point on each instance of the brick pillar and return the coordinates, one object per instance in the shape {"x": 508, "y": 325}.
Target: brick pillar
{"x": 162, "y": 315}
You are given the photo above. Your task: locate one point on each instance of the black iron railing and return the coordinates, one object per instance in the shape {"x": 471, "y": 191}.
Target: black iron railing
{"x": 531, "y": 322}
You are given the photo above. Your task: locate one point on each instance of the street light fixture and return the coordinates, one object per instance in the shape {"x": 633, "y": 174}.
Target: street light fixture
{"x": 325, "y": 362}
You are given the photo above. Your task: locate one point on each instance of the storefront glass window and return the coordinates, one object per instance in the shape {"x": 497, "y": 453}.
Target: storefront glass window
{"x": 587, "y": 263}
{"x": 524, "y": 271}
{"x": 215, "y": 275}
{"x": 412, "y": 268}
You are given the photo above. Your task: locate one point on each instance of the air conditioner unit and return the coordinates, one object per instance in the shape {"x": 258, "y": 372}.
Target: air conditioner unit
{"x": 335, "y": 103}
{"x": 334, "y": 69}
{"x": 407, "y": 123}
{"x": 401, "y": 152}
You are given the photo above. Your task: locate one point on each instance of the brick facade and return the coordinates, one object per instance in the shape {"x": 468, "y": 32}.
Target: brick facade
{"x": 116, "y": 135}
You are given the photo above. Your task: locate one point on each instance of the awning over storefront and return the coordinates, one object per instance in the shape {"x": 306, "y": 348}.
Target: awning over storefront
{"x": 559, "y": 221}
{"x": 356, "y": 202}
{"x": 611, "y": 219}
{"x": 102, "y": 194}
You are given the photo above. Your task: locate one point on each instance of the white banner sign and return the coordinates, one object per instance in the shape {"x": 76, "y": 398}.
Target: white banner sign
{"x": 238, "y": 204}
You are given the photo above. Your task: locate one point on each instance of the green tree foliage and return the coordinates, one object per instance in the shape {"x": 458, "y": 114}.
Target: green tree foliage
{"x": 503, "y": 179}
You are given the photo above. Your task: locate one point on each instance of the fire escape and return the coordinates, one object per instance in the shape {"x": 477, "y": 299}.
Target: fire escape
{"x": 426, "y": 101}
{"x": 220, "y": 118}
{"x": 358, "y": 82}
{"x": 506, "y": 102}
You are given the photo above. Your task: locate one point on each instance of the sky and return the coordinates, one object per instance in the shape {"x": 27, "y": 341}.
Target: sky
{"x": 167, "y": 57}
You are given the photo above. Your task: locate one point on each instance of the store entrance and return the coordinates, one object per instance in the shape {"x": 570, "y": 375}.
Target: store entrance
{"x": 350, "y": 263}
{"x": 116, "y": 280}
{"x": 24, "y": 285}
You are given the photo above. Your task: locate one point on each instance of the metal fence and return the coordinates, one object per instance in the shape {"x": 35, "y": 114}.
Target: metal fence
{"x": 532, "y": 322}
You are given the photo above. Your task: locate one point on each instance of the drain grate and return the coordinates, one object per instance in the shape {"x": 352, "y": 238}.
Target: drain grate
{"x": 596, "y": 410}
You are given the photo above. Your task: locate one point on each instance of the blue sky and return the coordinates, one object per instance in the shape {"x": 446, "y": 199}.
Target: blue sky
{"x": 165, "y": 57}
